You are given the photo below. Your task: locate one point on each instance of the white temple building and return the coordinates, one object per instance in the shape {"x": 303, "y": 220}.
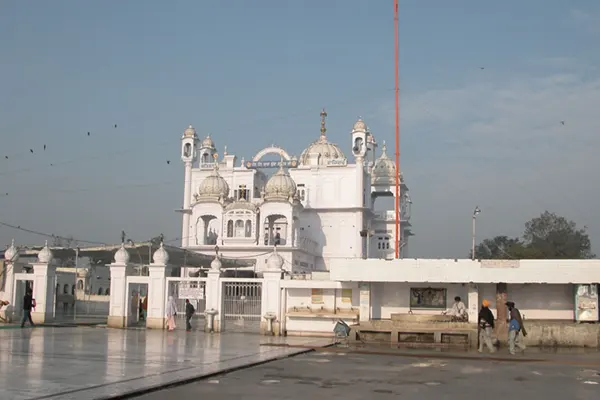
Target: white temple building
{"x": 315, "y": 208}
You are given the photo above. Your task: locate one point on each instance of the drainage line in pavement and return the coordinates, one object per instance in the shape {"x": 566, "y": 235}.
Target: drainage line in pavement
{"x": 183, "y": 382}
{"x": 437, "y": 356}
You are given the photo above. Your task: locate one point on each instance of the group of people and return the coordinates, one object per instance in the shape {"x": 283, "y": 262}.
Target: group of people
{"x": 516, "y": 329}
{"x": 172, "y": 313}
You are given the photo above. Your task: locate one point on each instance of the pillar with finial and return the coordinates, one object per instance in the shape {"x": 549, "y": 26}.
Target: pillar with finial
{"x": 44, "y": 288}
{"x": 158, "y": 272}
{"x": 12, "y": 266}
{"x": 271, "y": 299}
{"x": 212, "y": 293}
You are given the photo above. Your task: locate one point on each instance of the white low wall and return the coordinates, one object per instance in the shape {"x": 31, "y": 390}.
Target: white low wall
{"x": 535, "y": 301}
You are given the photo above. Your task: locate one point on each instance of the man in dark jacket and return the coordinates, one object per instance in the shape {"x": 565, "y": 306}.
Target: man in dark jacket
{"x": 486, "y": 327}
{"x": 28, "y": 304}
{"x": 189, "y": 313}
{"x": 515, "y": 327}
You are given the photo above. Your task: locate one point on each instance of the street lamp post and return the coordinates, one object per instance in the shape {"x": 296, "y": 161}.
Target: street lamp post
{"x": 476, "y": 212}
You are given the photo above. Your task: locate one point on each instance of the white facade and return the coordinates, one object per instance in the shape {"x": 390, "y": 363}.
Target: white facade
{"x": 317, "y": 207}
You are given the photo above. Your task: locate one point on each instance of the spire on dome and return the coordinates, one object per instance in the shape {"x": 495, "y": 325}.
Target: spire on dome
{"x": 323, "y": 117}
{"x": 384, "y": 150}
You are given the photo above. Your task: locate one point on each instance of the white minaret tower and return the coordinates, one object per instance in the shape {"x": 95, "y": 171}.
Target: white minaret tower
{"x": 189, "y": 140}
{"x": 359, "y": 150}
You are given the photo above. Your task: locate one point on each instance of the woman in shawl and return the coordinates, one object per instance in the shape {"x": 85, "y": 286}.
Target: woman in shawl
{"x": 171, "y": 313}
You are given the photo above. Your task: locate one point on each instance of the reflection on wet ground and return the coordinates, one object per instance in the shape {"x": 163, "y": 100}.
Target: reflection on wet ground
{"x": 89, "y": 363}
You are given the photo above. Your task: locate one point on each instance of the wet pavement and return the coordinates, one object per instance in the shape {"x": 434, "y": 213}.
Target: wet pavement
{"x": 352, "y": 376}
{"x": 91, "y": 363}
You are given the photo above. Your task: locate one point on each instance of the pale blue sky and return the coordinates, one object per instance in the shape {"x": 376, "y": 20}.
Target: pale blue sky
{"x": 252, "y": 73}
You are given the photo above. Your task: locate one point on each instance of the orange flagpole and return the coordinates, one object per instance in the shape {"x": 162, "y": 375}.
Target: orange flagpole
{"x": 397, "y": 94}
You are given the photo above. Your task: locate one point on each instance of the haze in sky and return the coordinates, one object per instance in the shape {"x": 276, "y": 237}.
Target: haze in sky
{"x": 484, "y": 88}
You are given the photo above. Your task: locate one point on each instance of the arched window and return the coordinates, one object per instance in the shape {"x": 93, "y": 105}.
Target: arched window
{"x": 100, "y": 291}
{"x": 205, "y": 159}
{"x": 230, "y": 228}
{"x": 66, "y": 289}
{"x": 57, "y": 288}
{"x": 187, "y": 150}
{"x": 248, "y": 231}
{"x": 80, "y": 285}
{"x": 73, "y": 290}
{"x": 107, "y": 292}
{"x": 239, "y": 228}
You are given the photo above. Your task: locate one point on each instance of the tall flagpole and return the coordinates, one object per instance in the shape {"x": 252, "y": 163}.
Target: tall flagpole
{"x": 397, "y": 94}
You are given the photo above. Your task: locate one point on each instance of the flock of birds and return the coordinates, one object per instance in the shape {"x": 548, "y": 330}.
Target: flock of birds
{"x": 45, "y": 146}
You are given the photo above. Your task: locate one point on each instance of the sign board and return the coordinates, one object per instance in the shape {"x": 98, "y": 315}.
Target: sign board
{"x": 317, "y": 296}
{"x": 500, "y": 263}
{"x": 271, "y": 164}
{"x": 187, "y": 291}
{"x": 346, "y": 295}
{"x": 337, "y": 163}
{"x": 207, "y": 165}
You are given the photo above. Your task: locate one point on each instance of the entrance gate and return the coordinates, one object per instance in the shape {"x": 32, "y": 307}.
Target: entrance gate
{"x": 192, "y": 289}
{"x": 242, "y": 305}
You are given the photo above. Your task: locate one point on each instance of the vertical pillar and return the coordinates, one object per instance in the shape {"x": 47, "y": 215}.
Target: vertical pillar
{"x": 118, "y": 310}
{"x": 213, "y": 293}
{"x": 271, "y": 296}
{"x": 365, "y": 301}
{"x": 187, "y": 199}
{"x": 11, "y": 267}
{"x": 158, "y": 272}
{"x": 360, "y": 203}
{"x": 501, "y": 323}
{"x": 44, "y": 274}
{"x": 473, "y": 303}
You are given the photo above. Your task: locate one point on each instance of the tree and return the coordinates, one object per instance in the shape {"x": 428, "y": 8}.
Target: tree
{"x": 548, "y": 236}
{"x": 553, "y": 236}
{"x": 499, "y": 247}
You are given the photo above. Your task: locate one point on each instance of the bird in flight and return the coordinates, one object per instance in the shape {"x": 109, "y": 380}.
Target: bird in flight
{"x": 115, "y": 126}
{"x": 44, "y": 147}
{"x": 31, "y": 150}
{"x": 562, "y": 122}
{"x": 168, "y": 162}
{"x": 88, "y": 134}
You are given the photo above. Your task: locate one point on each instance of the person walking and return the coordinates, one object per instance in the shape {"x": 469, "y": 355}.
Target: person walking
{"x": 189, "y": 313}
{"x": 486, "y": 327}
{"x": 28, "y": 305}
{"x": 515, "y": 328}
{"x": 171, "y": 314}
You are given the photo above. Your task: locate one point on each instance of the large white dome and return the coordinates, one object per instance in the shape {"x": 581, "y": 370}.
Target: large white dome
{"x": 384, "y": 169}
{"x": 213, "y": 187}
{"x": 327, "y": 151}
{"x": 280, "y": 186}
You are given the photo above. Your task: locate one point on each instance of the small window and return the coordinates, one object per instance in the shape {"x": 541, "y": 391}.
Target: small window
{"x": 229, "y": 228}
{"x": 100, "y": 291}
{"x": 187, "y": 150}
{"x": 107, "y": 292}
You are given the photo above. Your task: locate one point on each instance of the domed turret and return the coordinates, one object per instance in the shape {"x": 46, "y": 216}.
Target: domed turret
{"x": 384, "y": 170}
{"x": 122, "y": 255}
{"x": 45, "y": 256}
{"x": 12, "y": 253}
{"x": 280, "y": 186}
{"x": 207, "y": 143}
{"x": 213, "y": 187}
{"x": 359, "y": 126}
{"x": 189, "y": 132}
{"x": 161, "y": 256}
{"x": 323, "y": 148}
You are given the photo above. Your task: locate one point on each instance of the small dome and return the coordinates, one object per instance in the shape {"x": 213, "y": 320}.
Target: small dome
{"x": 371, "y": 138}
{"x": 45, "y": 255}
{"x": 189, "y": 132}
{"x": 275, "y": 261}
{"x": 122, "y": 255}
{"x": 280, "y": 186}
{"x": 359, "y": 126}
{"x": 161, "y": 256}
{"x": 12, "y": 253}
{"x": 207, "y": 143}
{"x": 384, "y": 169}
{"x": 213, "y": 187}
{"x": 216, "y": 264}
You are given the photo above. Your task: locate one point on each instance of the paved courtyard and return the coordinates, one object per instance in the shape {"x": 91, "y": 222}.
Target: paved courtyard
{"x": 93, "y": 363}
{"x": 351, "y": 376}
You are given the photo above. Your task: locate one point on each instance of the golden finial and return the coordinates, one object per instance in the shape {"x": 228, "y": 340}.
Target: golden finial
{"x": 323, "y": 116}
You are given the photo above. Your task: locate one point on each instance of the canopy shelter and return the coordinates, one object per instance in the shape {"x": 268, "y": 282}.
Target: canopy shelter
{"x": 139, "y": 253}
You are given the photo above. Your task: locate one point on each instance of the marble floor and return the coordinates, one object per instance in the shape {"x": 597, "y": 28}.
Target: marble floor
{"x": 94, "y": 363}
